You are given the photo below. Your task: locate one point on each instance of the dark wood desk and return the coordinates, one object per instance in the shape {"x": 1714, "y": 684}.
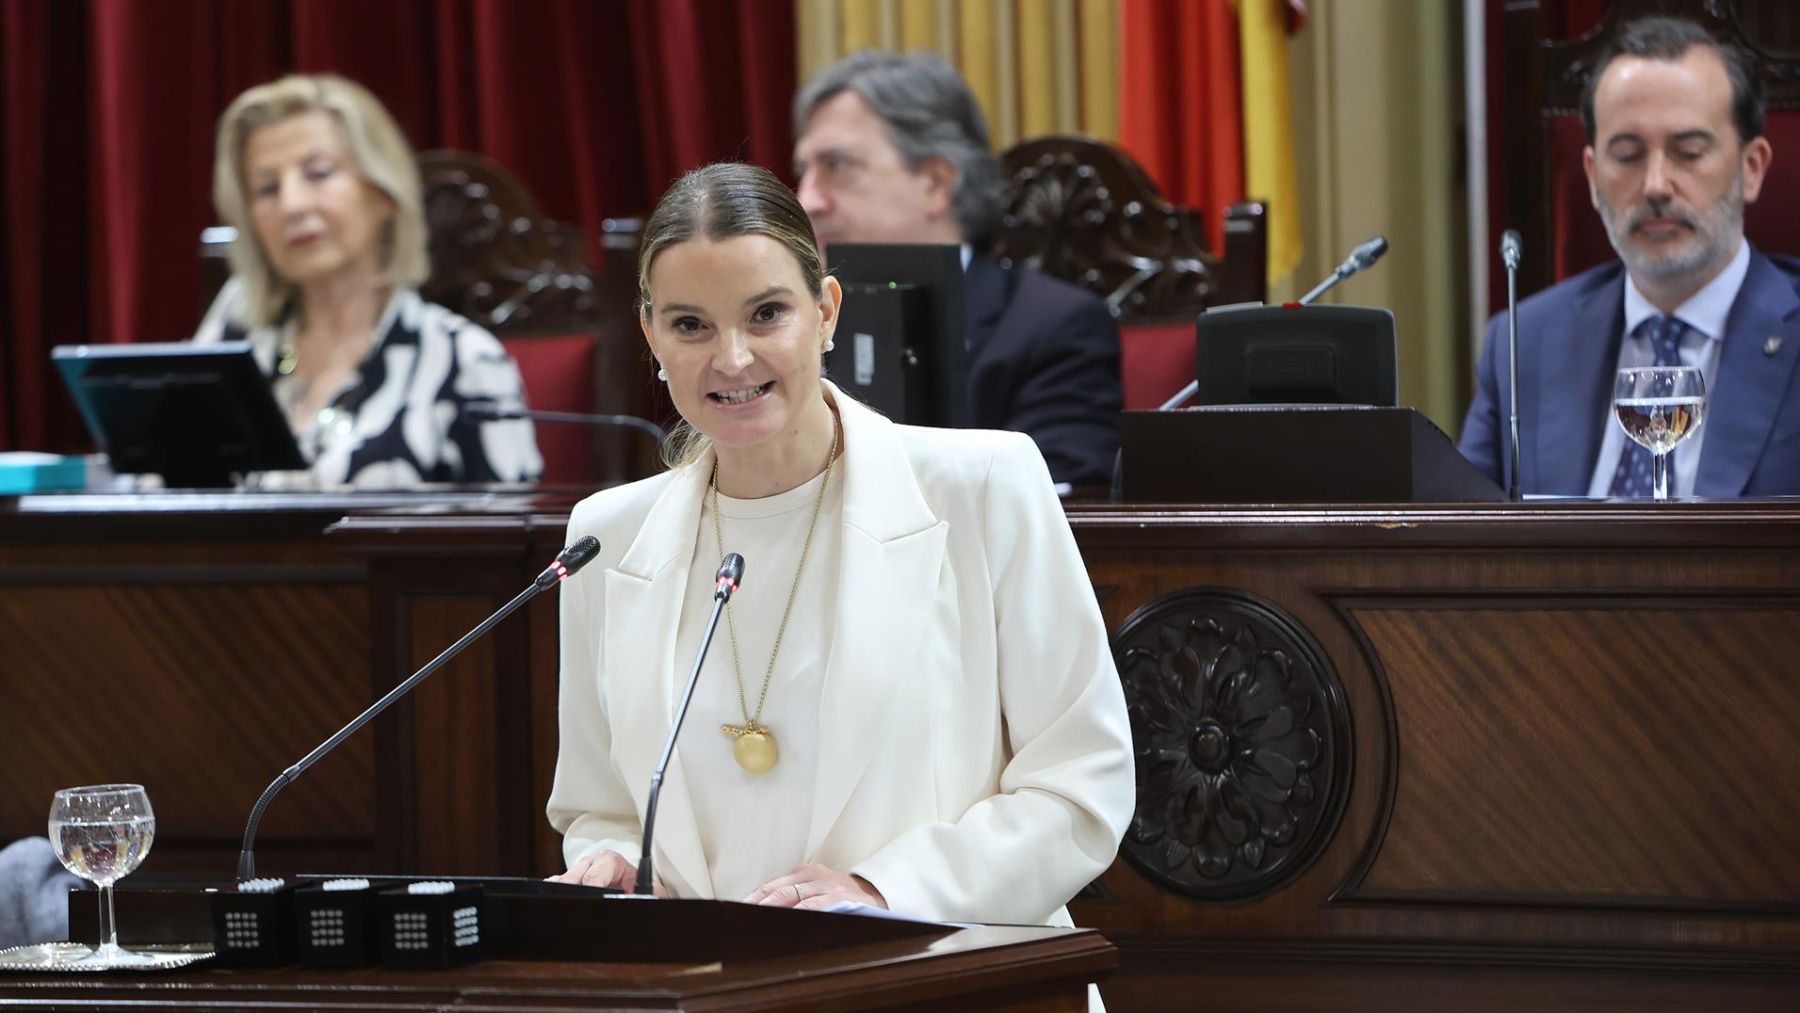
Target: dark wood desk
{"x": 199, "y": 644}
{"x": 1026, "y": 970}
{"x": 1538, "y": 754}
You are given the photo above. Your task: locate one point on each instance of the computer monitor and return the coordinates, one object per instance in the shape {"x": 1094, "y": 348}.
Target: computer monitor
{"x": 195, "y": 414}
{"x": 1296, "y": 355}
{"x": 900, "y": 345}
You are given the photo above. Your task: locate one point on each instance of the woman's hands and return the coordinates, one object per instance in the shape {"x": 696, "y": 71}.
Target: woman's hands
{"x": 814, "y": 887}
{"x": 606, "y": 868}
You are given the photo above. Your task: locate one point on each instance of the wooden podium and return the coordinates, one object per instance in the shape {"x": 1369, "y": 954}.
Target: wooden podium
{"x": 588, "y": 950}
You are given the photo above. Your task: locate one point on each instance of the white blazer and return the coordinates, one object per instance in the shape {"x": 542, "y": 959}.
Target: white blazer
{"x": 975, "y": 754}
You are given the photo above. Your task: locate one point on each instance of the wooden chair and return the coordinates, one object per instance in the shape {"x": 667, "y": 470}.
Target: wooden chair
{"x": 496, "y": 259}
{"x": 1084, "y": 211}
{"x": 1546, "y": 190}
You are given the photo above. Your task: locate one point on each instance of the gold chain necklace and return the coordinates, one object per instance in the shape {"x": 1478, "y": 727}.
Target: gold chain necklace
{"x": 753, "y": 744}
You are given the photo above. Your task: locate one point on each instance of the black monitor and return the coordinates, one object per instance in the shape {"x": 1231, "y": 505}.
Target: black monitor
{"x": 195, "y": 414}
{"x": 900, "y": 345}
{"x": 1296, "y": 355}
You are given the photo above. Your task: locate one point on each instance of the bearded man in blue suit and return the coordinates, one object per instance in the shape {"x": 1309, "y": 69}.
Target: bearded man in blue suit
{"x": 1675, "y": 152}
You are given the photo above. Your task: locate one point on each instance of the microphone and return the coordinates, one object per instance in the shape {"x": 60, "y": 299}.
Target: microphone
{"x": 1361, "y": 259}
{"x": 731, "y": 573}
{"x": 568, "y": 562}
{"x": 1509, "y": 255}
{"x": 487, "y": 411}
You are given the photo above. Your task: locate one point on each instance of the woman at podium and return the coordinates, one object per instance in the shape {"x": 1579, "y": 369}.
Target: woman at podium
{"x": 911, "y": 702}
{"x": 325, "y": 197}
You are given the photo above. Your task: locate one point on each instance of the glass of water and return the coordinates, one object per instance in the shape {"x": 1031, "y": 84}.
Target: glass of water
{"x": 1659, "y": 406}
{"x": 101, "y": 833}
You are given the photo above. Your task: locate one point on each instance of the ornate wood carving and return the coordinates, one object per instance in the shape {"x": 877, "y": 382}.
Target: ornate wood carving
{"x": 1242, "y": 740}
{"x": 494, "y": 257}
{"x": 1754, "y": 26}
{"x": 1085, "y": 212}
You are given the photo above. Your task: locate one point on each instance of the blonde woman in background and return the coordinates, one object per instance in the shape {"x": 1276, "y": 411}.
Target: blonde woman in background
{"x": 325, "y": 195}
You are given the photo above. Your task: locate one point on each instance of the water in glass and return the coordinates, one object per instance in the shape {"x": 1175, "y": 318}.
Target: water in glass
{"x": 1658, "y": 407}
{"x": 102, "y": 833}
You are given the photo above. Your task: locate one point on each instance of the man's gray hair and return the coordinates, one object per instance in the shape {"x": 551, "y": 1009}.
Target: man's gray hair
{"x": 930, "y": 113}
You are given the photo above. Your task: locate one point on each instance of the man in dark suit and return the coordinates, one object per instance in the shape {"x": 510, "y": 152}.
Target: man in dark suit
{"x": 894, "y": 149}
{"x": 1675, "y": 152}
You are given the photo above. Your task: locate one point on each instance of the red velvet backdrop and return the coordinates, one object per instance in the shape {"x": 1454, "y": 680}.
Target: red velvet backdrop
{"x": 1563, "y": 19}
{"x": 107, "y": 112}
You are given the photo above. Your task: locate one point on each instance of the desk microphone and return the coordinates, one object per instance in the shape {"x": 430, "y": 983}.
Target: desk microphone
{"x": 1361, "y": 259}
{"x": 570, "y": 560}
{"x": 1509, "y": 255}
{"x": 487, "y": 411}
{"x": 731, "y": 573}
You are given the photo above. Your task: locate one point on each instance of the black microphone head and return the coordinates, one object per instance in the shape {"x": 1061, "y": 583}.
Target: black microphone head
{"x": 579, "y": 553}
{"x": 1365, "y": 256}
{"x": 732, "y": 568}
{"x": 1510, "y": 249}
{"x": 731, "y": 574}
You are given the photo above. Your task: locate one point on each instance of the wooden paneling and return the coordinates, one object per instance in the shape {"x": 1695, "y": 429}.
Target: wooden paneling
{"x": 1573, "y": 740}
{"x": 191, "y": 662}
{"x": 1598, "y": 752}
{"x": 1566, "y": 729}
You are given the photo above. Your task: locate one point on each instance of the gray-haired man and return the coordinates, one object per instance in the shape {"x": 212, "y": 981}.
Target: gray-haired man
{"x": 893, "y": 148}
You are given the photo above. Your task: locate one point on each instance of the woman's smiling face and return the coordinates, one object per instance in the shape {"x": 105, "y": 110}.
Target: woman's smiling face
{"x": 740, "y": 335}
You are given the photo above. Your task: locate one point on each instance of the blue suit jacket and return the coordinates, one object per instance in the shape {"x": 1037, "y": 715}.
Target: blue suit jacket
{"x": 1569, "y": 338}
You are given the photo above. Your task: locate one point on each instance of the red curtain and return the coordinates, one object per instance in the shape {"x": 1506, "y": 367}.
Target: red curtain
{"x": 1180, "y": 108}
{"x": 1505, "y": 94}
{"x": 107, "y": 112}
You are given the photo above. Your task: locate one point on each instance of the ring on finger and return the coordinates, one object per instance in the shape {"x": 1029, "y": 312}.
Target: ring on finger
{"x": 798, "y": 894}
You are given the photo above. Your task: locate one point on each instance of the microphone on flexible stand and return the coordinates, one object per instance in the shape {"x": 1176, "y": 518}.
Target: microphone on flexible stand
{"x": 1361, "y": 259}
{"x": 1509, "y": 255}
{"x": 570, "y": 560}
{"x": 731, "y": 573}
{"x": 490, "y": 412}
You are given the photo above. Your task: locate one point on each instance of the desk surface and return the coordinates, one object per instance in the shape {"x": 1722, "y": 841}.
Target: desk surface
{"x": 987, "y": 967}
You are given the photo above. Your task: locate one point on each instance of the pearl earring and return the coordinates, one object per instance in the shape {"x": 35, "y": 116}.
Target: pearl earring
{"x": 830, "y": 344}
{"x": 662, "y": 374}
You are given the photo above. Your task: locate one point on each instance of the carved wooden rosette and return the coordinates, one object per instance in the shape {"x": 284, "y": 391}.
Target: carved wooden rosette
{"x": 1242, "y": 740}
{"x": 1085, "y": 212}
{"x": 494, "y": 257}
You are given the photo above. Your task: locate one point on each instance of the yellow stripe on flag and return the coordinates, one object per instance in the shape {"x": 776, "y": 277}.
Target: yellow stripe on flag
{"x": 1268, "y": 128}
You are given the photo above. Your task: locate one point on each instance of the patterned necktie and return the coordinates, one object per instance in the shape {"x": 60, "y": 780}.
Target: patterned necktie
{"x": 1633, "y": 478}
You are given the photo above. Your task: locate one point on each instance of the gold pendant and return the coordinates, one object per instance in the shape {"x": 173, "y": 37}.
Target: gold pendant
{"x": 753, "y": 747}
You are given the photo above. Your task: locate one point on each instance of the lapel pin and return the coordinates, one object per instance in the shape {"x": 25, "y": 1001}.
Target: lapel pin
{"x": 1771, "y": 346}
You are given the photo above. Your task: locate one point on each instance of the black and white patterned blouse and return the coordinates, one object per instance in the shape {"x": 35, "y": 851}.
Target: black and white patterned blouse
{"x": 399, "y": 421}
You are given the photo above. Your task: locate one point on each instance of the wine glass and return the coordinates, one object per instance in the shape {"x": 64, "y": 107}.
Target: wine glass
{"x": 1658, "y": 407}
{"x": 101, "y": 833}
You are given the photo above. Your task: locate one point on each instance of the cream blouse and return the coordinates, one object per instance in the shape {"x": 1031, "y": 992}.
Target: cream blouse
{"x": 730, "y": 803}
